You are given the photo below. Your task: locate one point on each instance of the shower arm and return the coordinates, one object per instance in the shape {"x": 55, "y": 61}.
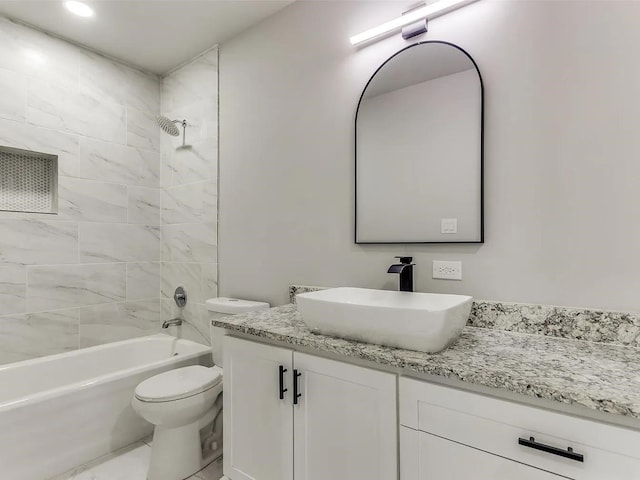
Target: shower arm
{"x": 184, "y": 130}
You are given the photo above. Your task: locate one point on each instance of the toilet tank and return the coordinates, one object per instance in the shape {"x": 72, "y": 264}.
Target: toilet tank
{"x": 220, "y": 307}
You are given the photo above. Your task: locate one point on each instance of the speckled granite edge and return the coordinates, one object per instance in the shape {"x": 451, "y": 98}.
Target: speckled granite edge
{"x": 594, "y": 375}
{"x": 296, "y": 289}
{"x": 600, "y": 326}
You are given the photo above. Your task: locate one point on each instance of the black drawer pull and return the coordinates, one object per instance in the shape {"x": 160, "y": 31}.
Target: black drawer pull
{"x": 281, "y": 372}
{"x": 296, "y": 395}
{"x": 568, "y": 453}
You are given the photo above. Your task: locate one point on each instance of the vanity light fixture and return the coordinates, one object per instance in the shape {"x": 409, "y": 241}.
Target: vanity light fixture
{"x": 431, "y": 10}
{"x": 79, "y": 8}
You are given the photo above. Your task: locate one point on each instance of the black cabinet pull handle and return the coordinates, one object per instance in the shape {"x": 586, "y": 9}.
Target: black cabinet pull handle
{"x": 568, "y": 453}
{"x": 296, "y": 395}
{"x": 281, "y": 372}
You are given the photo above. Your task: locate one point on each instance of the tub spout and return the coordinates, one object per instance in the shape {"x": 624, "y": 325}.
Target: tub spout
{"x": 172, "y": 322}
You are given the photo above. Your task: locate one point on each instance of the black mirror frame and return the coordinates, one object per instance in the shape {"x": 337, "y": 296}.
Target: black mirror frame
{"x": 355, "y": 223}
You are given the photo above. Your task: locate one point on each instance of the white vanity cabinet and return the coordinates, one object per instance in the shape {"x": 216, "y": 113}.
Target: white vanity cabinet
{"x": 446, "y": 433}
{"x": 319, "y": 419}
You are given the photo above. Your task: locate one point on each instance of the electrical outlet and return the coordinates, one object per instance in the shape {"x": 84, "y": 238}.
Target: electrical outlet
{"x": 447, "y": 270}
{"x": 449, "y": 225}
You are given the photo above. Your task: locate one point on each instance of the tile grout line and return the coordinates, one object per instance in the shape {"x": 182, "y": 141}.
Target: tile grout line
{"x": 26, "y": 288}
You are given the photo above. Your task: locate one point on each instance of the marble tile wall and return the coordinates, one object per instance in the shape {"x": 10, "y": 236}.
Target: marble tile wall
{"x": 189, "y": 176}
{"x": 90, "y": 274}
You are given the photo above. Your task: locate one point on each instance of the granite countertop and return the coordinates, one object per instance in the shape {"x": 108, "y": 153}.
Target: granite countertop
{"x": 599, "y": 376}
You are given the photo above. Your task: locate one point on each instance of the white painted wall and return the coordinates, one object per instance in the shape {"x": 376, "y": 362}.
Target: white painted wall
{"x": 562, "y": 86}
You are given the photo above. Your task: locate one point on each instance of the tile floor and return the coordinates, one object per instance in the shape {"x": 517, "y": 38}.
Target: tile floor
{"x": 130, "y": 463}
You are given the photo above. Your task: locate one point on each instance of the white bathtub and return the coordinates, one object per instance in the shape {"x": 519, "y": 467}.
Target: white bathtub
{"x": 64, "y": 410}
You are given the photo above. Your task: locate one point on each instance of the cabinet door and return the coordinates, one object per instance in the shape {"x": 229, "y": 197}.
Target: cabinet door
{"x": 258, "y": 425}
{"x": 345, "y": 422}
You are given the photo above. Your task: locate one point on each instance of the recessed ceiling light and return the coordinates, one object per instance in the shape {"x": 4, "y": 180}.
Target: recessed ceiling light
{"x": 79, "y": 8}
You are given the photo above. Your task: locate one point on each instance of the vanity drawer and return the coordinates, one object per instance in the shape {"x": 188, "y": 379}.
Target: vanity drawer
{"x": 427, "y": 457}
{"x": 496, "y": 426}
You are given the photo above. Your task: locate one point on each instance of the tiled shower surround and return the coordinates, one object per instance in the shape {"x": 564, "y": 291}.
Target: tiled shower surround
{"x": 189, "y": 192}
{"x": 92, "y": 274}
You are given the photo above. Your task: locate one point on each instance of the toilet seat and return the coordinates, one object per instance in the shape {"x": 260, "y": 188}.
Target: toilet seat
{"x": 178, "y": 384}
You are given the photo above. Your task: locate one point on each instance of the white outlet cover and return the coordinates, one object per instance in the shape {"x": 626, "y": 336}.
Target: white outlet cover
{"x": 448, "y": 225}
{"x": 446, "y": 270}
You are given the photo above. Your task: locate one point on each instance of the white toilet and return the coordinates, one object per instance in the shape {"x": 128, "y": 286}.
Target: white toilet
{"x": 185, "y": 405}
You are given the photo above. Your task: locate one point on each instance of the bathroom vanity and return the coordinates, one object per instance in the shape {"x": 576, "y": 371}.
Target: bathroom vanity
{"x": 497, "y": 405}
{"x": 284, "y": 409}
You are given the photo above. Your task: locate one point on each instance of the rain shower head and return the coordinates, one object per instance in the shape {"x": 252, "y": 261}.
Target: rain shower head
{"x": 169, "y": 126}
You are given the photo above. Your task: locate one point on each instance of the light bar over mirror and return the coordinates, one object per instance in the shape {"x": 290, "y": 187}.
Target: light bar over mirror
{"x": 428, "y": 11}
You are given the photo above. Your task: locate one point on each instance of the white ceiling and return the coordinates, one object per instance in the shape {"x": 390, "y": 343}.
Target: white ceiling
{"x": 155, "y": 35}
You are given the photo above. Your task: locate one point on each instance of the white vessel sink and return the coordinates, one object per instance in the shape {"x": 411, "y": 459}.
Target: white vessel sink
{"x": 427, "y": 322}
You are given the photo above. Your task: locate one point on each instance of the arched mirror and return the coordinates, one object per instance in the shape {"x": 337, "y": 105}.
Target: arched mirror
{"x": 419, "y": 129}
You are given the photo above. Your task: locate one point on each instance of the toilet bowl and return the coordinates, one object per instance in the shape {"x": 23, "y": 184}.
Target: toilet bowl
{"x": 178, "y": 403}
{"x": 185, "y": 405}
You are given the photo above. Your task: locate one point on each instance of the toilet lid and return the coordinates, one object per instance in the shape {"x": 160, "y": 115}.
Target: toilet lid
{"x": 179, "y": 383}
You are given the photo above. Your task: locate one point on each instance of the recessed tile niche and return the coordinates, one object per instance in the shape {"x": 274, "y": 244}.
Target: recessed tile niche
{"x": 28, "y": 181}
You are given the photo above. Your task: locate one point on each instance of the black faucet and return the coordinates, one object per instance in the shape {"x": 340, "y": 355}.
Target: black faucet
{"x": 405, "y": 270}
